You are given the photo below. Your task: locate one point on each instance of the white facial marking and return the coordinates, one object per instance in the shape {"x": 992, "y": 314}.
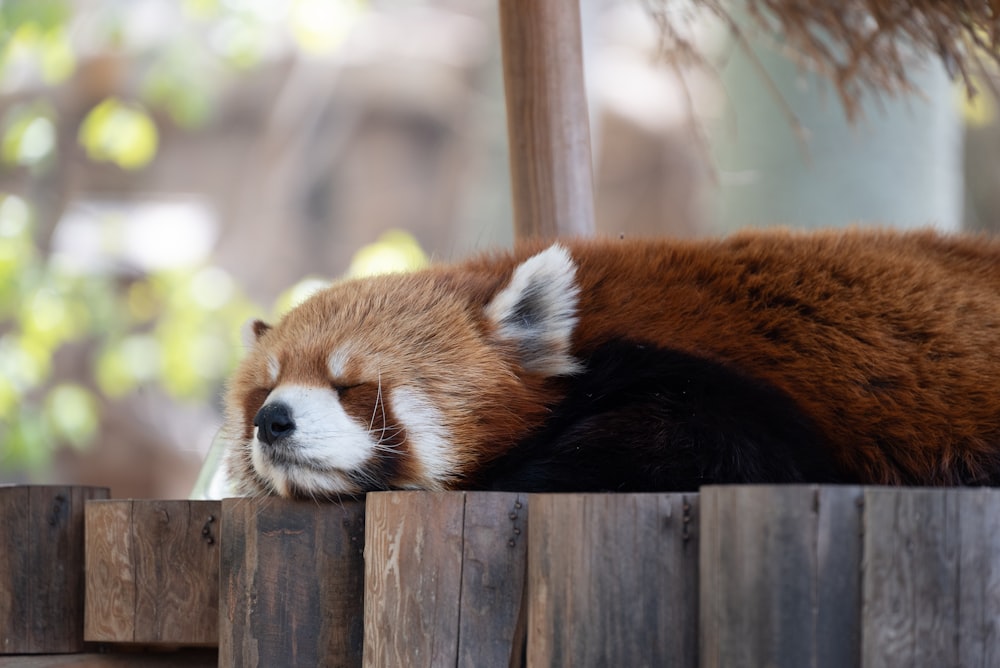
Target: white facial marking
{"x": 537, "y": 311}
{"x": 337, "y": 362}
{"x": 273, "y": 368}
{"x": 427, "y": 436}
{"x": 326, "y": 442}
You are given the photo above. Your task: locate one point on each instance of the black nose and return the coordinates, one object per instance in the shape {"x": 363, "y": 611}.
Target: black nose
{"x": 273, "y": 422}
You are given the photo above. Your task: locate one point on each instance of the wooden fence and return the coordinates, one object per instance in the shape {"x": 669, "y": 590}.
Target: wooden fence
{"x": 733, "y": 576}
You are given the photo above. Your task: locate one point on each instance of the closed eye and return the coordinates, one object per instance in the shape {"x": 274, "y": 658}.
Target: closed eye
{"x": 341, "y": 388}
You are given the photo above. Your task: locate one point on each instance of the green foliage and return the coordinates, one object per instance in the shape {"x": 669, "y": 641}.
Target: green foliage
{"x": 35, "y": 31}
{"x": 29, "y": 135}
{"x": 71, "y": 410}
{"x": 201, "y": 9}
{"x": 320, "y": 26}
{"x": 119, "y": 133}
{"x": 393, "y": 251}
{"x": 44, "y": 14}
{"x": 178, "y": 330}
{"x": 176, "y": 82}
{"x": 179, "y": 78}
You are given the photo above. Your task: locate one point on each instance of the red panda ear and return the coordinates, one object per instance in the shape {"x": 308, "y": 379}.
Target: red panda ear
{"x": 259, "y": 327}
{"x": 252, "y": 331}
{"x": 536, "y": 312}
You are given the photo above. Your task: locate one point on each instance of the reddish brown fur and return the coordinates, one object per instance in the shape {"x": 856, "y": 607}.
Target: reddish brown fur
{"x": 890, "y": 342}
{"x": 391, "y": 316}
{"x": 882, "y": 338}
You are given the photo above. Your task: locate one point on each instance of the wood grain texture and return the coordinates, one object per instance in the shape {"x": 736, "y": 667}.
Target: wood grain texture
{"x": 444, "y": 578}
{"x": 153, "y": 572}
{"x": 413, "y": 578}
{"x": 492, "y": 628}
{"x": 979, "y": 579}
{"x": 42, "y": 567}
{"x": 613, "y": 580}
{"x": 110, "y": 556}
{"x": 780, "y": 576}
{"x": 187, "y": 658}
{"x": 547, "y": 120}
{"x": 932, "y": 578}
{"x": 292, "y": 583}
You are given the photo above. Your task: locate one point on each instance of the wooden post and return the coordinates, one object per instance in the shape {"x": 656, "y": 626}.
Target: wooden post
{"x": 41, "y": 568}
{"x": 292, "y": 583}
{"x": 613, "y": 580}
{"x": 932, "y": 577}
{"x": 444, "y": 578}
{"x": 547, "y": 122}
{"x": 153, "y": 572}
{"x": 780, "y": 576}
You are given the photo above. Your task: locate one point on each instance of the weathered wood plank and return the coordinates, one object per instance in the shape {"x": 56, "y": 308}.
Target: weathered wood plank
{"x": 839, "y": 546}
{"x": 413, "y": 578}
{"x": 153, "y": 572}
{"x": 548, "y": 126}
{"x": 445, "y": 576}
{"x": 932, "y": 577}
{"x": 979, "y": 579}
{"x": 780, "y": 578}
{"x": 110, "y": 555}
{"x": 292, "y": 583}
{"x": 613, "y": 580}
{"x": 188, "y": 658}
{"x": 492, "y": 629}
{"x": 176, "y": 571}
{"x": 41, "y": 567}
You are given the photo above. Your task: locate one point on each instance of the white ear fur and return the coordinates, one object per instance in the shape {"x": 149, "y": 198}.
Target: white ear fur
{"x": 537, "y": 311}
{"x": 251, "y": 331}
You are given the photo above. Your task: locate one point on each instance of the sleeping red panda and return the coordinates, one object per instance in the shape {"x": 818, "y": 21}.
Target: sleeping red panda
{"x": 863, "y": 356}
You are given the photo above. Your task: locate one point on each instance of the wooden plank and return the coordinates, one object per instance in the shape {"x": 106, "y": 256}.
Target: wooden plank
{"x": 445, "y": 577}
{"x": 910, "y": 577}
{"x": 110, "y": 576}
{"x": 292, "y": 583}
{"x": 413, "y": 578}
{"x": 932, "y": 577}
{"x": 176, "y": 572}
{"x": 153, "y": 572}
{"x": 188, "y": 658}
{"x": 780, "y": 576}
{"x": 547, "y": 122}
{"x": 492, "y": 627}
{"x": 839, "y": 556}
{"x": 41, "y": 567}
{"x": 979, "y": 579}
{"x": 612, "y": 580}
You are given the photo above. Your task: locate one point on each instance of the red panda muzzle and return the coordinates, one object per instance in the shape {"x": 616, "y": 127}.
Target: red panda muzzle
{"x": 273, "y": 422}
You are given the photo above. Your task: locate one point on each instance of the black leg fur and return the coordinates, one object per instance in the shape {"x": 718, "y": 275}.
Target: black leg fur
{"x": 642, "y": 419}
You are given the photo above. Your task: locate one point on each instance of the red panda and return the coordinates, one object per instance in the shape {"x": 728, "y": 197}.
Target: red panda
{"x": 867, "y": 357}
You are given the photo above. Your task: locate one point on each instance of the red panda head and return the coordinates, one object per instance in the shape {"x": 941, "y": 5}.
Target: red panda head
{"x": 401, "y": 381}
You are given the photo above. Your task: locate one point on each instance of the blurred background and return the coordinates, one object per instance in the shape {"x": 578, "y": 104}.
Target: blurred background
{"x": 170, "y": 169}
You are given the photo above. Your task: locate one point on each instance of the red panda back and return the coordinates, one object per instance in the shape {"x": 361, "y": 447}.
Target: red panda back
{"x": 890, "y": 342}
